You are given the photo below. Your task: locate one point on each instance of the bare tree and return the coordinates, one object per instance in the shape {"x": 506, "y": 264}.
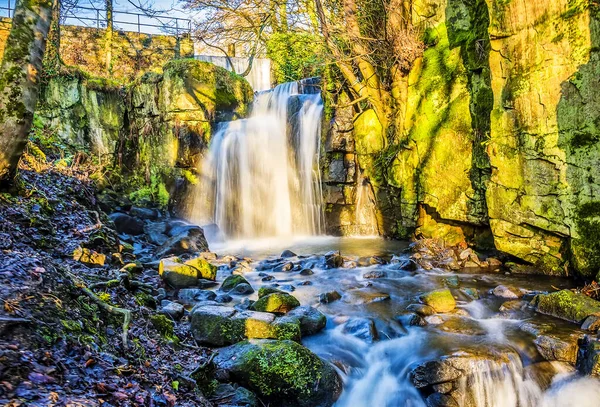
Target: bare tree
{"x": 374, "y": 45}
{"x": 20, "y": 79}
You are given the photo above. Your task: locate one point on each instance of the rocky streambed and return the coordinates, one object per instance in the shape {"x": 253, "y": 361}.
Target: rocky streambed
{"x": 369, "y": 322}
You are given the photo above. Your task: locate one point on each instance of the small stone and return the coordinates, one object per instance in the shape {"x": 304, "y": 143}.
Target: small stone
{"x": 415, "y": 319}
{"x": 451, "y": 282}
{"x": 223, "y": 298}
{"x": 194, "y": 295}
{"x": 285, "y": 267}
{"x": 306, "y": 272}
{"x": 232, "y": 281}
{"x": 268, "y": 278}
{"x": 242, "y": 289}
{"x": 333, "y": 260}
{"x": 362, "y": 328}
{"x": 264, "y": 291}
{"x": 89, "y": 257}
{"x": 562, "y": 348}
{"x": 509, "y": 293}
{"x": 513, "y": 305}
{"x": 331, "y": 296}
{"x": 288, "y": 253}
{"x": 5, "y": 241}
{"x": 374, "y": 274}
{"x": 311, "y": 319}
{"x": 421, "y": 309}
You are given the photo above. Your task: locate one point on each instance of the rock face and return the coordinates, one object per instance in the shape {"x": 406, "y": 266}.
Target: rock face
{"x": 157, "y": 129}
{"x": 281, "y": 370}
{"x": 516, "y": 137}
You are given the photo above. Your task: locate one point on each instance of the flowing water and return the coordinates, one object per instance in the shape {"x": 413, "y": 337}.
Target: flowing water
{"x": 262, "y": 174}
{"x": 504, "y": 367}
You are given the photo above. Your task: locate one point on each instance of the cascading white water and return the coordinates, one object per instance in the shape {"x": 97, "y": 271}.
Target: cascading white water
{"x": 262, "y": 173}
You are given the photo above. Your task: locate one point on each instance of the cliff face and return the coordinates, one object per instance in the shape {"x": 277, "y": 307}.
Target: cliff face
{"x": 503, "y": 141}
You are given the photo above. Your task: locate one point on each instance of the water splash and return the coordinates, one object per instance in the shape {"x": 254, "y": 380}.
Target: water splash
{"x": 261, "y": 177}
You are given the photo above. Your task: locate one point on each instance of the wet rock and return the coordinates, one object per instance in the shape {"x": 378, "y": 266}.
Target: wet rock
{"x": 434, "y": 320}
{"x": 350, "y": 264}
{"x": 306, "y": 272}
{"x": 434, "y": 372}
{"x": 408, "y": 265}
{"x": 144, "y": 213}
{"x": 362, "y": 328}
{"x": 173, "y": 310}
{"x": 179, "y": 274}
{"x": 263, "y": 291}
{"x": 588, "y": 359}
{"x": 591, "y": 323}
{"x": 562, "y": 348}
{"x": 421, "y": 309}
{"x": 268, "y": 278}
{"x": 127, "y": 224}
{"x": 374, "y": 274}
{"x": 451, "y": 282}
{"x": 440, "y": 400}
{"x": 232, "y": 281}
{"x": 369, "y": 261}
{"x": 415, "y": 319}
{"x": 333, "y": 260}
{"x": 89, "y": 257}
{"x": 513, "y": 305}
{"x": 281, "y": 371}
{"x": 462, "y": 325}
{"x": 189, "y": 239}
{"x": 242, "y": 289}
{"x": 331, "y": 296}
{"x": 193, "y": 295}
{"x": 362, "y": 297}
{"x": 223, "y": 298}
{"x": 470, "y": 292}
{"x": 506, "y": 292}
{"x": 440, "y": 300}
{"x": 220, "y": 325}
{"x": 493, "y": 262}
{"x": 288, "y": 253}
{"x": 277, "y": 302}
{"x": 311, "y": 319}
{"x": 284, "y": 267}
{"x": 567, "y": 305}
{"x": 536, "y": 328}
{"x": 204, "y": 283}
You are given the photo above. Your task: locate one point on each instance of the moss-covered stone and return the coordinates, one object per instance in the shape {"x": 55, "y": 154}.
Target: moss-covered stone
{"x": 278, "y": 303}
{"x": 281, "y": 370}
{"x": 180, "y": 275}
{"x": 232, "y": 281}
{"x": 440, "y": 300}
{"x": 264, "y": 290}
{"x": 567, "y": 305}
{"x": 89, "y": 257}
{"x": 163, "y": 325}
{"x": 207, "y": 270}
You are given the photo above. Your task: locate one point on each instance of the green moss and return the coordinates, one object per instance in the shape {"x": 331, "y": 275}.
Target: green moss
{"x": 145, "y": 299}
{"x": 440, "y": 300}
{"x": 232, "y": 281}
{"x": 279, "y": 303}
{"x": 567, "y": 305}
{"x": 586, "y": 247}
{"x": 71, "y": 326}
{"x": 163, "y": 325}
{"x": 264, "y": 290}
{"x": 205, "y": 269}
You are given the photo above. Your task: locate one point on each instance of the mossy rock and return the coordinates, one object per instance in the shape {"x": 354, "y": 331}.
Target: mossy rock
{"x": 567, "y": 305}
{"x": 278, "y": 303}
{"x": 207, "y": 270}
{"x": 281, "y": 371}
{"x": 89, "y": 257}
{"x": 233, "y": 281}
{"x": 311, "y": 319}
{"x": 177, "y": 274}
{"x": 440, "y": 300}
{"x": 218, "y": 326}
{"x": 264, "y": 291}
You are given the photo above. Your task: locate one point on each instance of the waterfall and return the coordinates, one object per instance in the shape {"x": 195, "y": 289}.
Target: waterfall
{"x": 261, "y": 175}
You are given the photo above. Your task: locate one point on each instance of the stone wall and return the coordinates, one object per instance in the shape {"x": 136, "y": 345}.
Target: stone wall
{"x": 132, "y": 53}
{"x": 503, "y": 136}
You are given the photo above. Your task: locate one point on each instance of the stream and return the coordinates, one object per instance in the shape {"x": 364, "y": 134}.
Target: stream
{"x": 369, "y": 336}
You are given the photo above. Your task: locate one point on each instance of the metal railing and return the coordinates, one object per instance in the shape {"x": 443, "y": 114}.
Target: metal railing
{"x": 122, "y": 20}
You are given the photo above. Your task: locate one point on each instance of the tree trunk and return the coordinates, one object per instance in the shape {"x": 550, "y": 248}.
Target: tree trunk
{"x": 109, "y": 36}
{"x": 52, "y": 60}
{"x": 20, "y": 79}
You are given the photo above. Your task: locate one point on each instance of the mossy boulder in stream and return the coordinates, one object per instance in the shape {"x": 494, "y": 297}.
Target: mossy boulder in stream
{"x": 440, "y": 300}
{"x": 567, "y": 305}
{"x": 281, "y": 371}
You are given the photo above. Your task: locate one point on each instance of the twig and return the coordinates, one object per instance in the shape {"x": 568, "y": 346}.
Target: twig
{"x": 98, "y": 224}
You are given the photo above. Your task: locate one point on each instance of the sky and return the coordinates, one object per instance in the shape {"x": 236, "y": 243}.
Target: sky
{"x": 170, "y": 9}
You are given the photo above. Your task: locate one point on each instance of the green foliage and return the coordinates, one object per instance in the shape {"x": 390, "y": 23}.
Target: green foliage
{"x": 155, "y": 193}
{"x": 295, "y": 56}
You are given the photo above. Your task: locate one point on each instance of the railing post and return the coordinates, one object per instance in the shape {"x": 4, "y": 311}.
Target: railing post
{"x": 139, "y": 27}
{"x": 8, "y": 8}
{"x": 98, "y": 19}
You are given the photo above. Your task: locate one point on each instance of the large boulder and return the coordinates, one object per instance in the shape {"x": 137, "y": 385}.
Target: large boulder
{"x": 311, "y": 319}
{"x": 127, "y": 224}
{"x": 188, "y": 240}
{"x": 567, "y": 305}
{"x": 440, "y": 300}
{"x": 284, "y": 372}
{"x": 216, "y": 325}
{"x": 333, "y": 260}
{"x": 180, "y": 274}
{"x": 236, "y": 284}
